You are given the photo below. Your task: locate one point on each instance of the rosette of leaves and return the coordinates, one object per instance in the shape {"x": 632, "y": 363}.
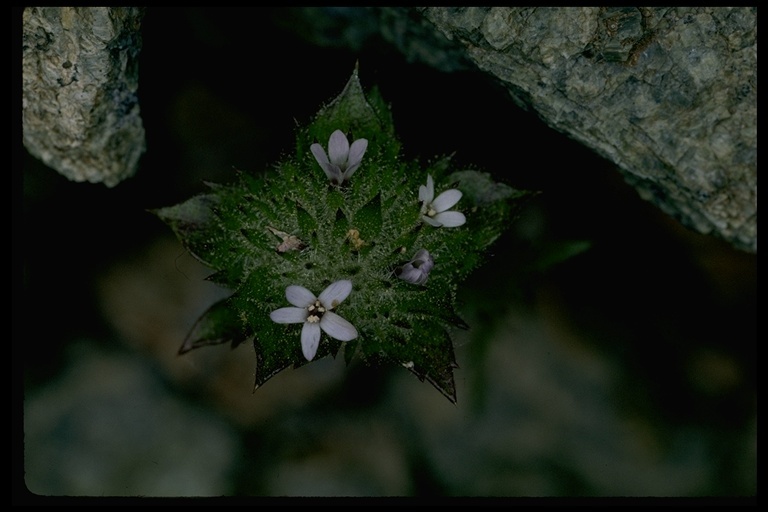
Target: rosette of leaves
{"x": 293, "y": 226}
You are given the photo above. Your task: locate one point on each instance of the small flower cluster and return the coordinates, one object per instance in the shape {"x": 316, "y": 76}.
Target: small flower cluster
{"x": 315, "y": 313}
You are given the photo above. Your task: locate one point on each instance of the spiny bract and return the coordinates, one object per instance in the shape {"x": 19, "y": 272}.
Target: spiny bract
{"x": 279, "y": 237}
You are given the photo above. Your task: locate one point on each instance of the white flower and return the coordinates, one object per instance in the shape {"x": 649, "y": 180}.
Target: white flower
{"x": 316, "y": 314}
{"x": 344, "y": 159}
{"x": 417, "y": 270}
{"x": 433, "y": 209}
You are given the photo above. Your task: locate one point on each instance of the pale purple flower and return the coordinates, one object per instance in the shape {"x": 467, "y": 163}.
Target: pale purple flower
{"x": 417, "y": 270}
{"x": 315, "y": 313}
{"x": 342, "y": 160}
{"x": 434, "y": 209}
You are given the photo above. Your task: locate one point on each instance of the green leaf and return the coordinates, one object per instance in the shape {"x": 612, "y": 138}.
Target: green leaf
{"x": 368, "y": 219}
{"x": 217, "y": 325}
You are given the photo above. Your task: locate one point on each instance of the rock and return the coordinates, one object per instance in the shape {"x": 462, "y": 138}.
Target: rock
{"x": 667, "y": 94}
{"x": 80, "y": 77}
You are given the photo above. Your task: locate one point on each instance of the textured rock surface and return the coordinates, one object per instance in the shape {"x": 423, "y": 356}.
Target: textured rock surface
{"x": 80, "y": 76}
{"x": 668, "y": 94}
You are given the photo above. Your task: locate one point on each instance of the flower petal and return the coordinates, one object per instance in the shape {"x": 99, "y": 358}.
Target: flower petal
{"x": 337, "y": 327}
{"x": 421, "y": 255}
{"x": 299, "y": 296}
{"x": 310, "y": 339}
{"x": 413, "y": 275}
{"x": 349, "y": 172}
{"x": 335, "y": 293}
{"x": 334, "y": 174}
{"x": 319, "y": 153}
{"x": 338, "y": 148}
{"x": 431, "y": 221}
{"x": 423, "y": 194}
{"x": 446, "y": 200}
{"x": 289, "y": 315}
{"x": 451, "y": 219}
{"x": 356, "y": 152}
{"x": 427, "y": 193}
{"x": 423, "y": 261}
{"x": 330, "y": 170}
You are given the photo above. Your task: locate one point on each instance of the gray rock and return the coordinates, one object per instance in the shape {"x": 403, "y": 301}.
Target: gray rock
{"x": 354, "y": 28}
{"x": 80, "y": 76}
{"x": 667, "y": 94}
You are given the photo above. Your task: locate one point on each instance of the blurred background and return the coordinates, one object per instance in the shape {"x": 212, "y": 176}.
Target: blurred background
{"x": 611, "y": 351}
